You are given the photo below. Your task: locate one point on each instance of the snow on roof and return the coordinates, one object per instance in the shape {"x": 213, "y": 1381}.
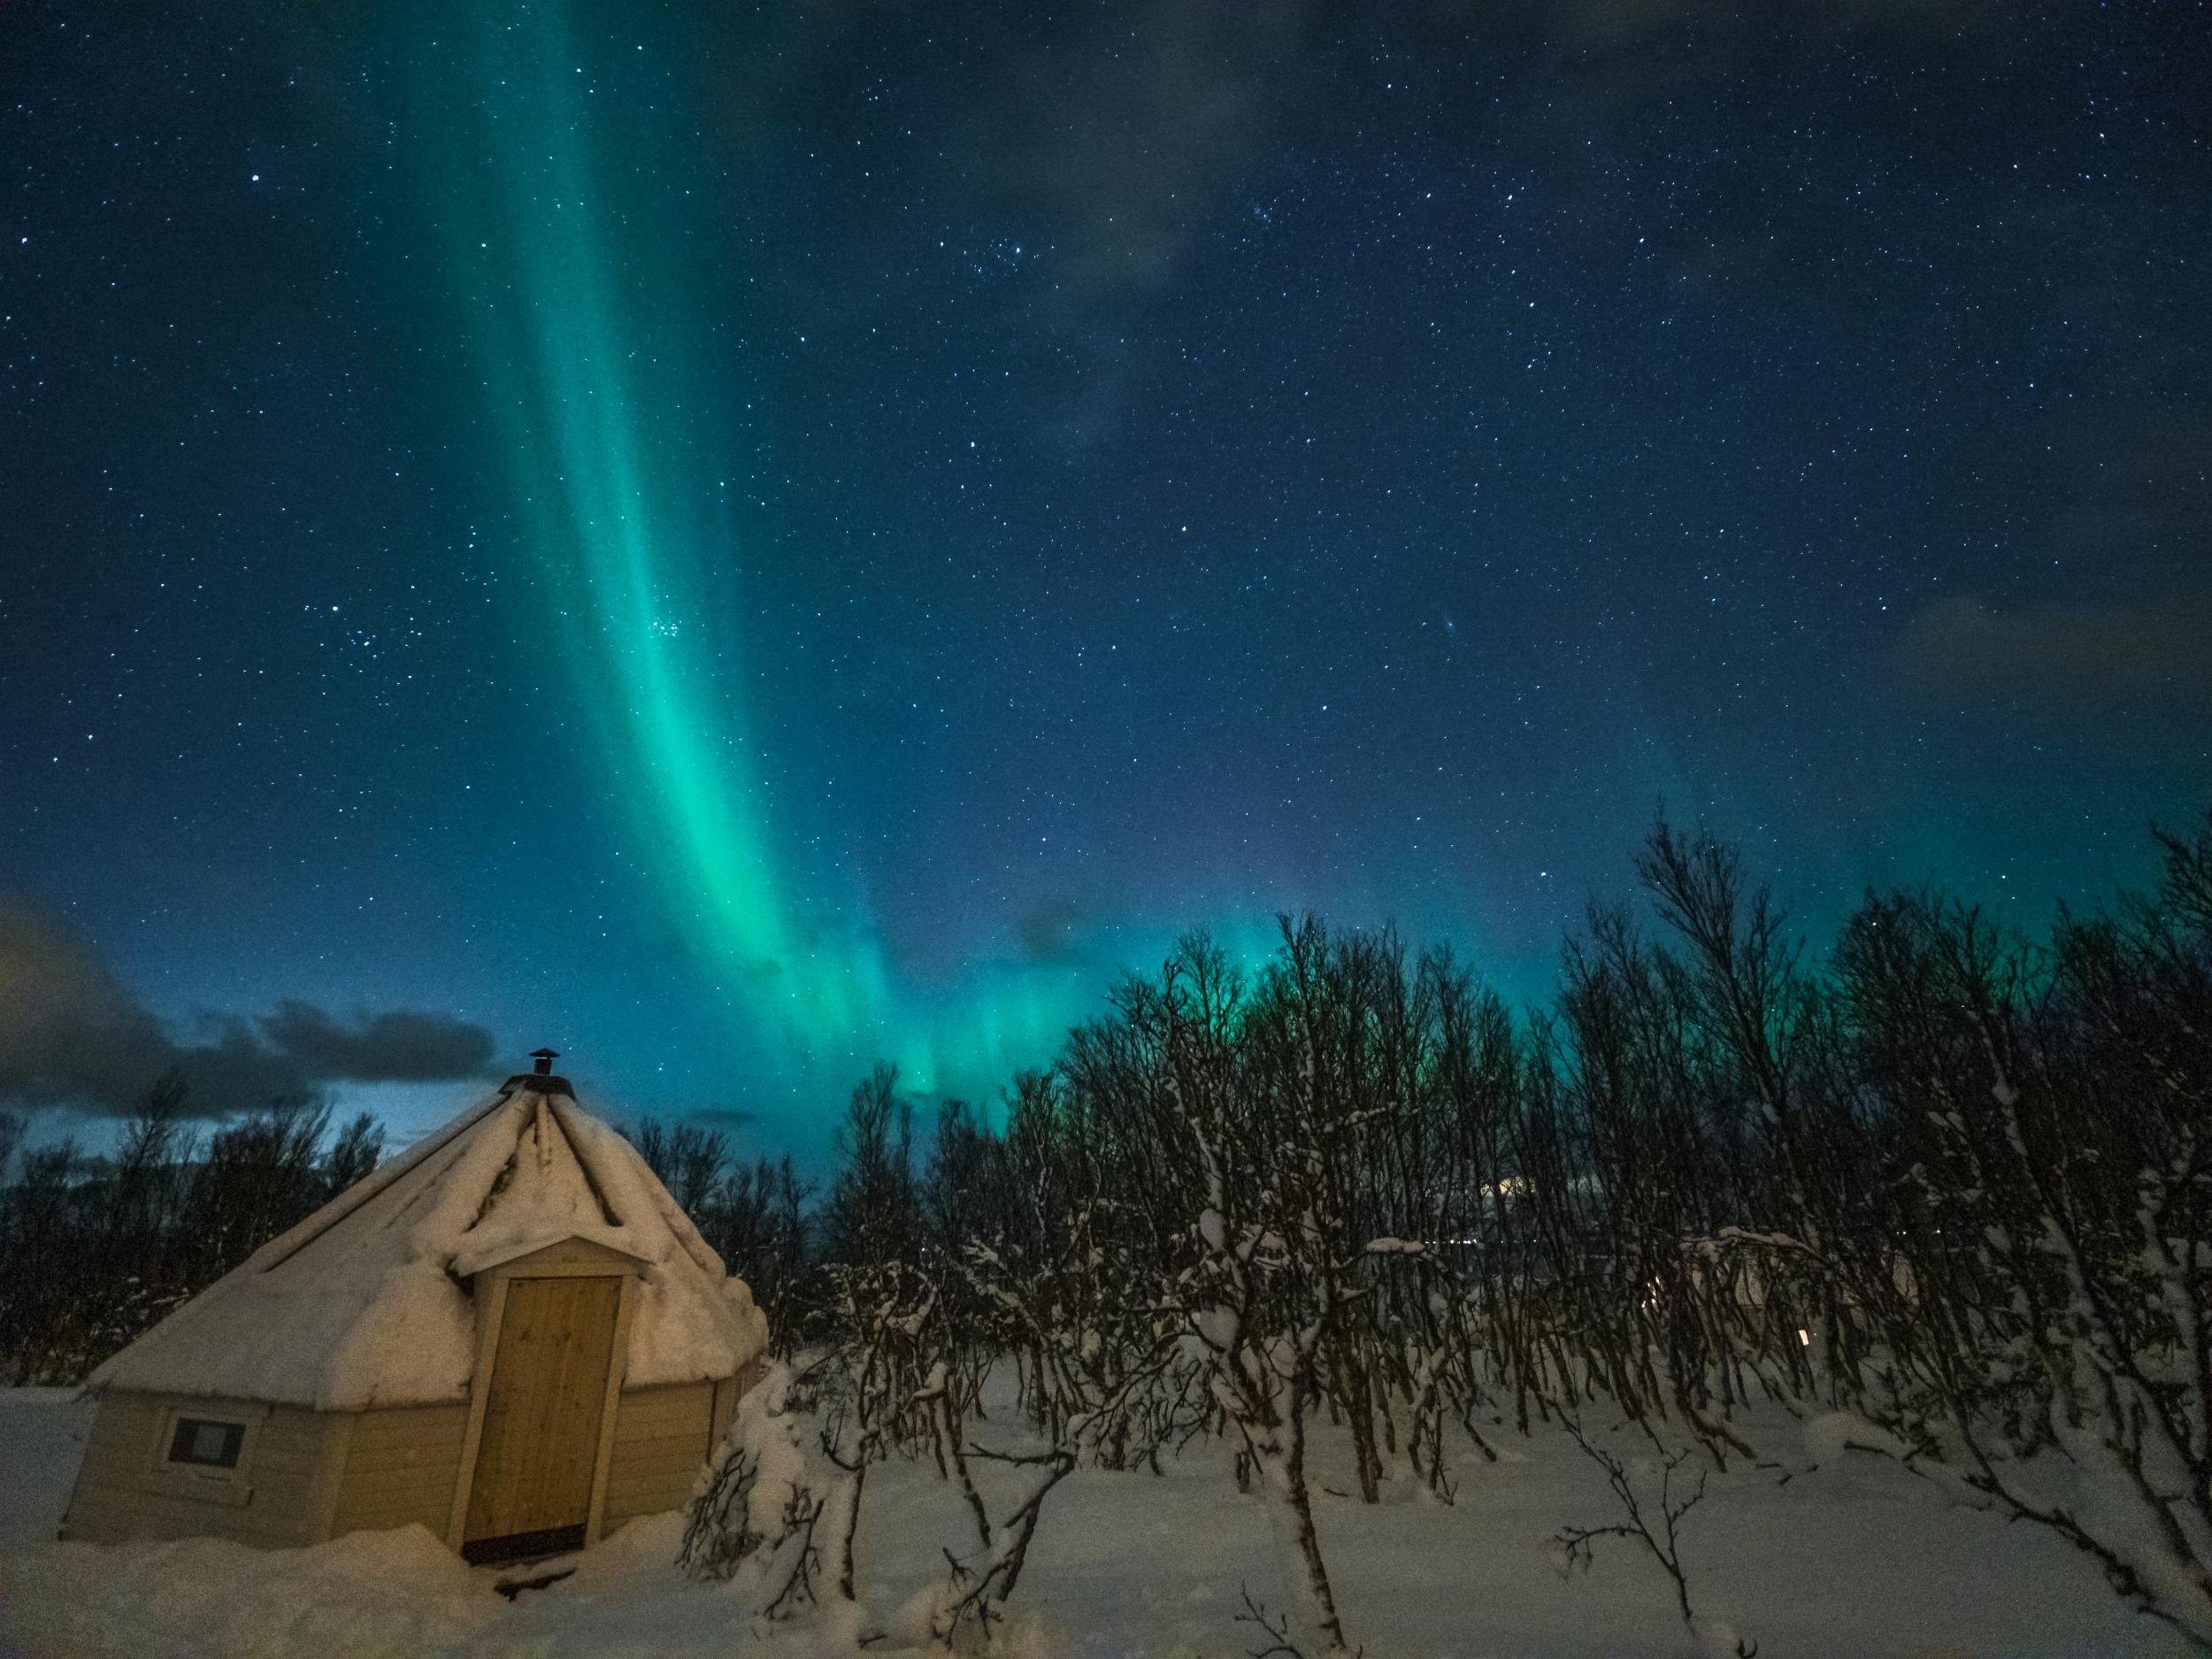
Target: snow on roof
{"x": 366, "y": 1303}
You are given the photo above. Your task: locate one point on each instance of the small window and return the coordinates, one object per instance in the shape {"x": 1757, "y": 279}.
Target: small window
{"x": 207, "y": 1443}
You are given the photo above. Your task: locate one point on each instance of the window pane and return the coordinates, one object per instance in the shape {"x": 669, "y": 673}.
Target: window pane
{"x": 207, "y": 1442}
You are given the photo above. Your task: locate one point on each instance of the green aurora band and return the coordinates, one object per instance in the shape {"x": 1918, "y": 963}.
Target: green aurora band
{"x": 601, "y": 426}
{"x": 572, "y": 257}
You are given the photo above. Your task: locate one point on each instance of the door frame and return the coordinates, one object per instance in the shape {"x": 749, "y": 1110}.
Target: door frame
{"x": 569, "y": 1258}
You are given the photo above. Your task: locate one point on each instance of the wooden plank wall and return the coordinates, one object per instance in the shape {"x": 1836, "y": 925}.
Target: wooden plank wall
{"x": 401, "y": 1465}
{"x": 123, "y": 1493}
{"x": 660, "y": 1441}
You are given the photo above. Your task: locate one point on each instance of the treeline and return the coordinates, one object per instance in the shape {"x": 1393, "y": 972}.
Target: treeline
{"x": 95, "y": 1249}
{"x": 1948, "y": 1180}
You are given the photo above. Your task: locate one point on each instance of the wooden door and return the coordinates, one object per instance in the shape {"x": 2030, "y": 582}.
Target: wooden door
{"x": 540, "y": 1441}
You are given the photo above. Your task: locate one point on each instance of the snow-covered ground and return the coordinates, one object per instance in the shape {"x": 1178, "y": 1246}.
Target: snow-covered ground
{"x": 1851, "y": 1557}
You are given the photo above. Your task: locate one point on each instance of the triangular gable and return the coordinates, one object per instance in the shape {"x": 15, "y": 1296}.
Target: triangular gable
{"x": 522, "y": 1249}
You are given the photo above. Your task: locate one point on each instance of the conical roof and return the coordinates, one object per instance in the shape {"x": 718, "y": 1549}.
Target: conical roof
{"x": 366, "y": 1303}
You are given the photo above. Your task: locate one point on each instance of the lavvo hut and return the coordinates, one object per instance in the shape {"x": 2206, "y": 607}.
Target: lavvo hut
{"x": 511, "y": 1334}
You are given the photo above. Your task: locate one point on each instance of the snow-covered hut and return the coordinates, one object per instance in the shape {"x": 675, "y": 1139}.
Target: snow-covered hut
{"x": 511, "y": 1333}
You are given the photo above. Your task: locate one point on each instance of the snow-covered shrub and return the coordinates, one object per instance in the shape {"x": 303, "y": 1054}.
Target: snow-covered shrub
{"x": 1653, "y": 1495}
{"x": 756, "y": 1519}
{"x": 1107, "y": 1389}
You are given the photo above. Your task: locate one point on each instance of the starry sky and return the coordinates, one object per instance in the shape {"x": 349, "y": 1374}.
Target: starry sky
{"x": 739, "y": 540}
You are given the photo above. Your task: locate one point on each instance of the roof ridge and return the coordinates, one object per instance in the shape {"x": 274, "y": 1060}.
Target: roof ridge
{"x": 594, "y": 1182}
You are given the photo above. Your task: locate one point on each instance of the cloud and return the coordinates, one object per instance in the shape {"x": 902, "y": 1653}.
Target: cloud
{"x": 406, "y": 1046}
{"x": 1078, "y": 158}
{"x": 1128, "y": 141}
{"x": 74, "y": 1035}
{"x": 1050, "y": 929}
{"x": 2080, "y": 657}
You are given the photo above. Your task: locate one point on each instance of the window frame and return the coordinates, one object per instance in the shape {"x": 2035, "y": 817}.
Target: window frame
{"x": 233, "y": 1443}
{"x": 206, "y": 1481}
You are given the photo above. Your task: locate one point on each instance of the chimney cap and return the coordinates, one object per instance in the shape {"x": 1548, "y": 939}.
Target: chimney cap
{"x": 545, "y": 1058}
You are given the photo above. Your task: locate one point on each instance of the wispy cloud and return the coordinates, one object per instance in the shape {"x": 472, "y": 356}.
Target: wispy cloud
{"x": 2145, "y": 654}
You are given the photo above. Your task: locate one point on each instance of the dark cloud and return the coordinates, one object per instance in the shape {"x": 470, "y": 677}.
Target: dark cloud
{"x": 406, "y": 1046}
{"x": 69, "y": 1029}
{"x": 1635, "y": 25}
{"x": 1075, "y": 164}
{"x": 2145, "y": 656}
{"x": 1050, "y": 929}
{"x": 74, "y": 1035}
{"x": 1121, "y": 136}
{"x": 1125, "y": 144}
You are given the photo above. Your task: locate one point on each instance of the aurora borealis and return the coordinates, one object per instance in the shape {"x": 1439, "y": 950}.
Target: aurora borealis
{"x": 580, "y": 300}
{"x": 606, "y": 434}
{"x": 740, "y": 543}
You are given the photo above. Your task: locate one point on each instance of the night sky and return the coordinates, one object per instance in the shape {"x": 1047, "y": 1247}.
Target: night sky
{"x": 736, "y": 542}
